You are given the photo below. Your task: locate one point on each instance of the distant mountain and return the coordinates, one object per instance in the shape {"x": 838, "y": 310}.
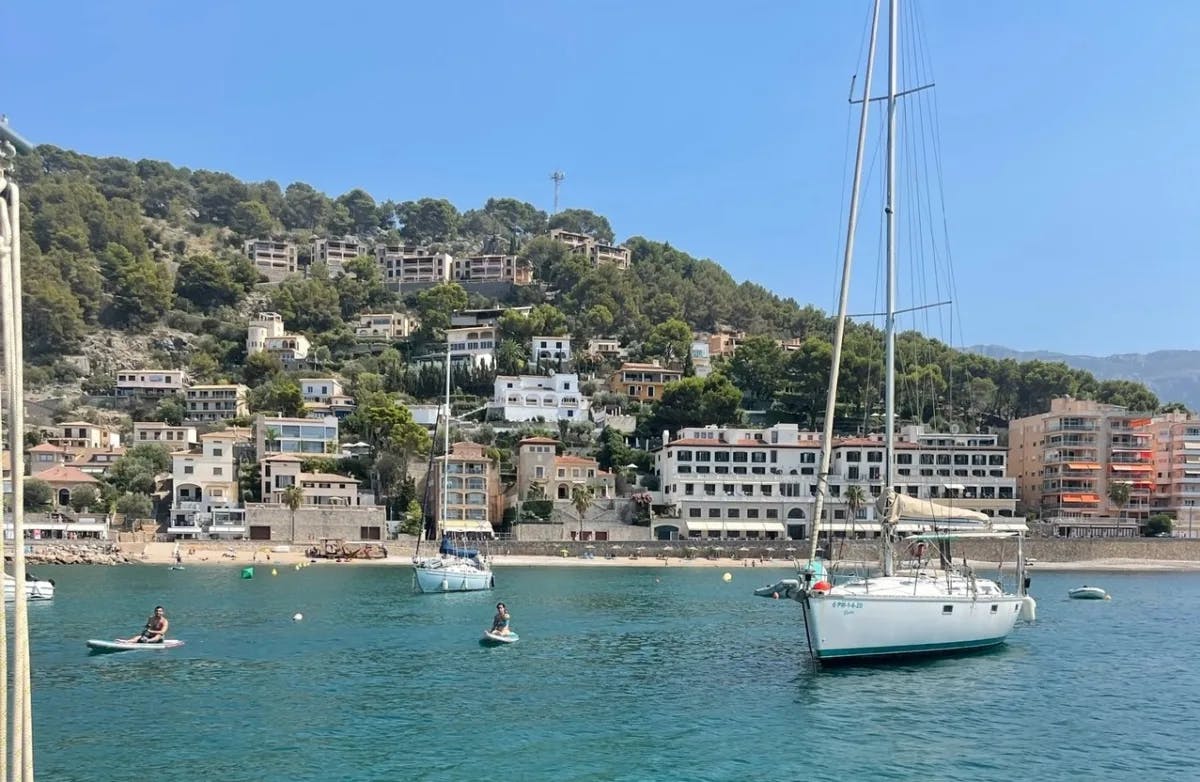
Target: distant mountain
{"x": 1174, "y": 375}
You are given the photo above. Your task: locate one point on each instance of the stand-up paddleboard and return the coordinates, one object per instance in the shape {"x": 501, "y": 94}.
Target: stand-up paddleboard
{"x": 176, "y": 567}
{"x": 495, "y": 639}
{"x": 104, "y": 647}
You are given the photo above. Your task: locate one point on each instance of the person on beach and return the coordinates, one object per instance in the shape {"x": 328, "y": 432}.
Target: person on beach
{"x": 500, "y": 621}
{"x": 155, "y": 631}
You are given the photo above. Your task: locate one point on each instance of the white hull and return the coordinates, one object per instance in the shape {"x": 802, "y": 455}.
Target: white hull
{"x": 1087, "y": 593}
{"x": 903, "y": 615}
{"x": 452, "y": 574}
{"x": 34, "y": 590}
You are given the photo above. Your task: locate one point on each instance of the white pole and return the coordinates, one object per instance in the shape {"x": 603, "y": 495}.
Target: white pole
{"x": 6, "y": 250}
{"x": 843, "y": 297}
{"x": 889, "y": 417}
{"x": 446, "y": 454}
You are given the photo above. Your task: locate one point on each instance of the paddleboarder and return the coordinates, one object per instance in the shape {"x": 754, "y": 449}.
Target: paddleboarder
{"x": 155, "y": 631}
{"x": 500, "y": 621}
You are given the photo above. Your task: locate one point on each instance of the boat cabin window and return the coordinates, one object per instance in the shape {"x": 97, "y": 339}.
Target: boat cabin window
{"x": 995, "y": 609}
{"x": 947, "y": 610}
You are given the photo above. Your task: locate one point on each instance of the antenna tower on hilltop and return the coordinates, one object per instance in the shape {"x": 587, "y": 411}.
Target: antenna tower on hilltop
{"x": 558, "y": 177}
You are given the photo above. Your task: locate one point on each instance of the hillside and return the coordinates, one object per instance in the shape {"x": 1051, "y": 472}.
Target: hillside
{"x": 140, "y": 264}
{"x": 1170, "y": 374}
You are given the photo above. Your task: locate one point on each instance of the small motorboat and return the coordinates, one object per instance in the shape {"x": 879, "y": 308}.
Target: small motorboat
{"x": 35, "y": 588}
{"x": 496, "y": 639}
{"x": 1086, "y": 592}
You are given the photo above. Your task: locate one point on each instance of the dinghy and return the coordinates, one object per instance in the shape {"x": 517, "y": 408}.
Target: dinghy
{"x": 1086, "y": 592}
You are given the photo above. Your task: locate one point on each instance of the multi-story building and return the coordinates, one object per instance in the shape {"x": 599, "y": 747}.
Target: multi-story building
{"x": 1065, "y": 460}
{"x": 1177, "y": 471}
{"x": 212, "y": 402}
{"x": 642, "y": 382}
{"x": 290, "y": 348}
{"x": 81, "y": 434}
{"x": 599, "y": 253}
{"x": 262, "y": 326}
{"x": 725, "y": 343}
{"x": 489, "y": 316}
{"x": 43, "y": 456}
{"x": 556, "y": 476}
{"x": 701, "y": 358}
{"x": 157, "y": 432}
{"x": 473, "y": 500}
{"x": 608, "y": 348}
{"x": 532, "y": 397}
{"x": 205, "y": 479}
{"x": 151, "y": 383}
{"x": 492, "y": 268}
{"x": 476, "y": 344}
{"x": 403, "y": 266}
{"x": 385, "y": 326}
{"x": 96, "y": 461}
{"x": 550, "y": 351}
{"x": 761, "y": 483}
{"x": 320, "y": 389}
{"x": 334, "y": 252}
{"x": 318, "y": 488}
{"x": 297, "y": 436}
{"x": 274, "y": 260}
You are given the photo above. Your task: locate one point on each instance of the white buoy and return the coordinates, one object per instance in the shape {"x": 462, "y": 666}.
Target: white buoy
{"x": 297, "y": 617}
{"x": 727, "y": 577}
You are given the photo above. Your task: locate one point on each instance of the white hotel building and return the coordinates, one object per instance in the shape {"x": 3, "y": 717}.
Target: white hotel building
{"x": 531, "y": 397}
{"x": 761, "y": 483}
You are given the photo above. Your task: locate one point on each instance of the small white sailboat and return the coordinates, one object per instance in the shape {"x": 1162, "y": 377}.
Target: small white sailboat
{"x": 934, "y": 606}
{"x": 455, "y": 568}
{"x": 1086, "y": 592}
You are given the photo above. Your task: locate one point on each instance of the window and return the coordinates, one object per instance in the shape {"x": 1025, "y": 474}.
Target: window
{"x": 734, "y": 513}
{"x": 218, "y": 471}
{"x": 684, "y": 456}
{"x": 740, "y": 456}
{"x": 752, "y": 513}
{"x": 539, "y": 472}
{"x": 854, "y": 456}
{"x": 188, "y": 469}
{"x": 758, "y": 457}
{"x": 714, "y": 513}
{"x": 721, "y": 456}
{"x": 693, "y": 513}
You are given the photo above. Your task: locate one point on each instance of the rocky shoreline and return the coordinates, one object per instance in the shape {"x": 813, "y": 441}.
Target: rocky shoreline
{"x": 78, "y": 554}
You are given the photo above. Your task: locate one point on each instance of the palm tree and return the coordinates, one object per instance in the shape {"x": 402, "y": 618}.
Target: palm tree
{"x": 293, "y": 497}
{"x": 1118, "y": 493}
{"x": 581, "y": 497}
{"x": 856, "y": 500}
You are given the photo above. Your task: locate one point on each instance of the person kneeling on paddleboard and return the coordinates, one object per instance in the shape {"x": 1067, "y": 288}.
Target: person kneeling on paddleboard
{"x": 155, "y": 631}
{"x": 500, "y": 621}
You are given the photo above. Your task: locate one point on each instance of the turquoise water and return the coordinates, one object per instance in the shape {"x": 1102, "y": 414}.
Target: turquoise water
{"x": 620, "y": 674}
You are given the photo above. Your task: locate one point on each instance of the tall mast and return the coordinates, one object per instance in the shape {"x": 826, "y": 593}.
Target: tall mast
{"x": 839, "y": 328}
{"x": 446, "y": 453}
{"x": 889, "y": 417}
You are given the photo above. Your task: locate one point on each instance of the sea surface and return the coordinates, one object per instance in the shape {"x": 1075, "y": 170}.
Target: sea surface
{"x": 620, "y": 674}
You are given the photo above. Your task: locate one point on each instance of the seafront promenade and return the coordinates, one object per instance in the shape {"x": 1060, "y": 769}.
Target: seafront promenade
{"x": 1143, "y": 554}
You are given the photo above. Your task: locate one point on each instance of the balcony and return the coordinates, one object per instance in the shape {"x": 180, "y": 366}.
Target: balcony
{"x": 189, "y": 506}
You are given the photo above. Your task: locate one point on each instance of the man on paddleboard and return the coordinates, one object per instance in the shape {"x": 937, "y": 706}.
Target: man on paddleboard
{"x": 155, "y": 631}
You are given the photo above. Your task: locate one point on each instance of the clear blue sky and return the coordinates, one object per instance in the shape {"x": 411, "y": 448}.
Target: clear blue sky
{"x": 1067, "y": 128}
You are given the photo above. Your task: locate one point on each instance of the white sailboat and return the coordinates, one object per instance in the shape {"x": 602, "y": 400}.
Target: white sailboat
{"x": 455, "y": 568}
{"x": 931, "y": 606}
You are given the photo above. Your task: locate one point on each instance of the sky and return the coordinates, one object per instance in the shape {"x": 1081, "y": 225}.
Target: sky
{"x": 1066, "y": 130}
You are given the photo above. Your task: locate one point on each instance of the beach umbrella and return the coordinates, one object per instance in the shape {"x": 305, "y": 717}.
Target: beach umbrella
{"x": 617, "y": 546}
{"x": 589, "y": 546}
{"x": 668, "y": 548}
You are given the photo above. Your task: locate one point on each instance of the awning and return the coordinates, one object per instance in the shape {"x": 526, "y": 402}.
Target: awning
{"x": 467, "y": 525}
{"x": 1083, "y": 466}
{"x": 1081, "y": 498}
{"x": 736, "y": 525}
{"x": 1133, "y": 467}
{"x": 953, "y": 486}
{"x": 1191, "y": 446}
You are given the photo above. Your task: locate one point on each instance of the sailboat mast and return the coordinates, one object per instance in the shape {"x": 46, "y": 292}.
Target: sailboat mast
{"x": 446, "y": 452}
{"x": 839, "y": 329}
{"x": 889, "y": 416}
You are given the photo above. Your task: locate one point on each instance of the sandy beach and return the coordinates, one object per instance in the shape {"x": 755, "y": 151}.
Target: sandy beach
{"x": 283, "y": 555}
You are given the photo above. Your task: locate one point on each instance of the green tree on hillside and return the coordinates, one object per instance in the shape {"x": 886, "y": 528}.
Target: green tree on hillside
{"x": 207, "y": 283}
{"x": 252, "y": 220}
{"x": 583, "y": 221}
{"x": 427, "y": 220}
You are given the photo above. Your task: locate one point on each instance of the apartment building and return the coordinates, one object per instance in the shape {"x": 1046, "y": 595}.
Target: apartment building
{"x": 82, "y": 434}
{"x": 275, "y": 260}
{"x": 385, "y": 326}
{"x": 491, "y": 268}
{"x": 472, "y": 501}
{"x": 403, "y": 266}
{"x": 1177, "y": 471}
{"x": 204, "y": 479}
{"x": 262, "y": 326}
{"x": 150, "y": 383}
{"x": 318, "y": 488}
{"x": 489, "y": 316}
{"x": 728, "y": 482}
{"x": 538, "y": 464}
{"x": 298, "y": 436}
{"x": 1065, "y": 459}
{"x": 475, "y": 344}
{"x": 608, "y": 348}
{"x": 211, "y": 402}
{"x": 533, "y": 397}
{"x": 176, "y": 437}
{"x": 642, "y": 382}
{"x": 96, "y": 462}
{"x": 599, "y": 253}
{"x": 334, "y": 252}
{"x": 550, "y": 351}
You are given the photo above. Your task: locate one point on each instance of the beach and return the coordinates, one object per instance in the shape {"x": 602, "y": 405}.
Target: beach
{"x": 207, "y": 553}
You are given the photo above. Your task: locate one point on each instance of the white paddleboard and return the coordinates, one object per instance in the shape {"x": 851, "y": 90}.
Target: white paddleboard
{"x": 491, "y": 638}
{"x": 125, "y": 646}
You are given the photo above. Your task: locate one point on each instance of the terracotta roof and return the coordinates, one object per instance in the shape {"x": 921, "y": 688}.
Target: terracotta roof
{"x": 694, "y": 441}
{"x": 539, "y": 441}
{"x": 282, "y": 457}
{"x": 47, "y": 448}
{"x": 575, "y": 460}
{"x": 649, "y": 367}
{"x": 65, "y": 474}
